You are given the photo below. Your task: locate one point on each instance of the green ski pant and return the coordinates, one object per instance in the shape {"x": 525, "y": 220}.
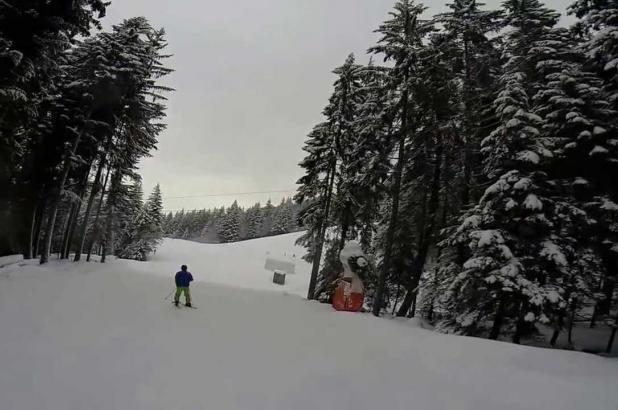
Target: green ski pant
{"x": 185, "y": 291}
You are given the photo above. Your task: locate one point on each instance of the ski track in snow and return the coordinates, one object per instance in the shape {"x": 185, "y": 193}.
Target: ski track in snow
{"x": 100, "y": 337}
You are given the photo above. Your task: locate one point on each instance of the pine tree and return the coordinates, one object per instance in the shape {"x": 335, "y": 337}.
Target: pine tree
{"x": 109, "y": 94}
{"x": 140, "y": 226}
{"x": 33, "y": 38}
{"x": 282, "y": 219}
{"x": 254, "y": 220}
{"x": 129, "y": 222}
{"x": 503, "y": 276}
{"x": 422, "y": 196}
{"x": 168, "y": 224}
{"x": 401, "y": 43}
{"x": 315, "y": 191}
{"x": 368, "y": 163}
{"x": 141, "y": 109}
{"x": 599, "y": 24}
{"x": 230, "y": 227}
{"x": 579, "y": 113}
{"x": 466, "y": 42}
{"x": 341, "y": 114}
{"x": 146, "y": 228}
{"x": 329, "y": 147}
{"x": 153, "y": 210}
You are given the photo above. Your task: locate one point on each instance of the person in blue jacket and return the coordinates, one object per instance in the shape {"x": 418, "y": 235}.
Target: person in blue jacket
{"x": 183, "y": 279}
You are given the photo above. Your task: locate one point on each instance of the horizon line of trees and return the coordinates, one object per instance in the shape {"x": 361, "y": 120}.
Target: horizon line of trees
{"x": 478, "y": 165}
{"x": 233, "y": 223}
{"x": 77, "y": 112}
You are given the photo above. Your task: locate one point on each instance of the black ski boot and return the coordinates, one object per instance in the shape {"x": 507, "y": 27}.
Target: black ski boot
{"x": 176, "y": 303}
{"x": 188, "y": 305}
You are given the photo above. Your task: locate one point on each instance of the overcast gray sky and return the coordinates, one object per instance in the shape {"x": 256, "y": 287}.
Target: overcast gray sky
{"x": 251, "y": 79}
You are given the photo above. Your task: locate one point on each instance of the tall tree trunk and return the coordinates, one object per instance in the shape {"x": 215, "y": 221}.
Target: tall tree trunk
{"x": 432, "y": 300}
{"x": 378, "y": 300}
{"x": 559, "y": 326}
{"x": 521, "y": 323}
{"x": 35, "y": 219}
{"x": 426, "y": 234}
{"x": 560, "y": 321}
{"x": 612, "y": 337}
{"x": 96, "y": 229}
{"x": 397, "y": 294}
{"x": 467, "y": 157}
{"x": 68, "y": 221}
{"x": 606, "y": 288}
{"x": 67, "y": 240}
{"x": 345, "y": 225}
{"x": 412, "y": 311}
{"x": 93, "y": 193}
{"x": 108, "y": 233}
{"x": 593, "y": 318}
{"x": 572, "y": 321}
{"x": 67, "y": 232}
{"x": 30, "y": 240}
{"x": 111, "y": 203}
{"x": 609, "y": 283}
{"x": 434, "y": 290}
{"x": 498, "y": 319}
{"x": 36, "y": 239}
{"x": 55, "y": 203}
{"x": 319, "y": 245}
{"x": 412, "y": 288}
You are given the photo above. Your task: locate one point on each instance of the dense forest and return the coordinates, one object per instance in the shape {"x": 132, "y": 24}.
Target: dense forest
{"x": 79, "y": 107}
{"x": 234, "y": 223}
{"x": 478, "y": 164}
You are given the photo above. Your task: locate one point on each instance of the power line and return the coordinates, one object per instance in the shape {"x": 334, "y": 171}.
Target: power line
{"x": 230, "y": 194}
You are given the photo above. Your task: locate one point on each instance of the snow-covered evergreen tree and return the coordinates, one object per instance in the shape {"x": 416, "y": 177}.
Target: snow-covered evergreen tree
{"x": 283, "y": 218}
{"x": 402, "y": 42}
{"x": 501, "y": 241}
{"x": 576, "y": 103}
{"x": 599, "y": 25}
{"x": 368, "y": 165}
{"x": 34, "y": 38}
{"x": 230, "y": 228}
{"x": 341, "y": 114}
{"x": 153, "y": 209}
{"x": 266, "y": 219}
{"x": 130, "y": 218}
{"x": 329, "y": 148}
{"x": 469, "y": 44}
{"x": 316, "y": 186}
{"x": 254, "y": 220}
{"x": 143, "y": 232}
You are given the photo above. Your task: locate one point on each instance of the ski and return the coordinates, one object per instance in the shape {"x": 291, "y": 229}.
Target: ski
{"x": 180, "y": 306}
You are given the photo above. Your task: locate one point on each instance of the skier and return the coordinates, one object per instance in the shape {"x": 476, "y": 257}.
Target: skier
{"x": 183, "y": 279}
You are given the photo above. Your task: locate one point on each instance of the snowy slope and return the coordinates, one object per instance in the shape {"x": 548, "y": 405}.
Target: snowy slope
{"x": 239, "y": 264}
{"x": 9, "y": 259}
{"x": 99, "y": 337}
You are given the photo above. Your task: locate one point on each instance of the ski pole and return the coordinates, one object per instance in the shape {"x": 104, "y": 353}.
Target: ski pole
{"x": 168, "y": 296}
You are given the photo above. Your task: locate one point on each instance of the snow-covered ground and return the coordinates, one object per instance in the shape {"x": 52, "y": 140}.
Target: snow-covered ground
{"x": 9, "y": 259}
{"x": 100, "y": 337}
{"x": 239, "y": 264}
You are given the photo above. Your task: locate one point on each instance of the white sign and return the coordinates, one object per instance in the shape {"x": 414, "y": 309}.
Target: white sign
{"x": 276, "y": 264}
